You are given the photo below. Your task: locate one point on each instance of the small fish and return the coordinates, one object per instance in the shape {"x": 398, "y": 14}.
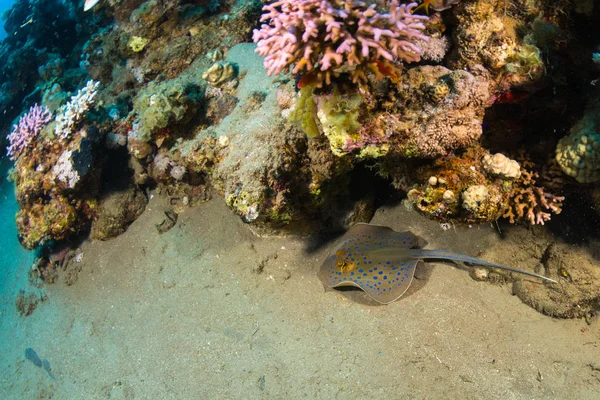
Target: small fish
{"x": 424, "y": 6}
{"x": 512, "y": 97}
{"x": 437, "y": 5}
{"x": 382, "y": 262}
{"x": 386, "y": 69}
{"x": 32, "y": 355}
{"x": 309, "y": 79}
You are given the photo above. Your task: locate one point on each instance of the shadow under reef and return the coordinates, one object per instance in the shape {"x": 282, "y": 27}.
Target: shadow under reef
{"x": 578, "y": 223}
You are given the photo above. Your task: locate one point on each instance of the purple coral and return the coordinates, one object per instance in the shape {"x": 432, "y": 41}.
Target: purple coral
{"x": 305, "y": 34}
{"x": 27, "y": 129}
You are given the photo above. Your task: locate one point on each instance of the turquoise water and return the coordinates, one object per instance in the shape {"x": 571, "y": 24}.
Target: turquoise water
{"x": 4, "y": 5}
{"x": 14, "y": 264}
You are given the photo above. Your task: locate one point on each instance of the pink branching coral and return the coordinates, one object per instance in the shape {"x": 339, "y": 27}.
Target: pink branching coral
{"x": 302, "y": 35}
{"x": 27, "y": 129}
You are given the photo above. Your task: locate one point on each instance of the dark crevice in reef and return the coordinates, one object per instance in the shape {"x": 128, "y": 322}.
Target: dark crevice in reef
{"x": 117, "y": 176}
{"x": 578, "y": 223}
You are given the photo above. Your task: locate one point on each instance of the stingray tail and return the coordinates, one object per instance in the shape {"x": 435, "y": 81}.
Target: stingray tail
{"x": 449, "y": 255}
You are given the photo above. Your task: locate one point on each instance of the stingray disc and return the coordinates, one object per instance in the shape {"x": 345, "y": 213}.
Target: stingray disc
{"x": 355, "y": 262}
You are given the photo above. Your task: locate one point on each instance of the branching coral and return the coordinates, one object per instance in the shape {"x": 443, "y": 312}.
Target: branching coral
{"x": 491, "y": 187}
{"x": 73, "y": 112}
{"x": 57, "y": 180}
{"x": 307, "y": 34}
{"x": 531, "y": 202}
{"x": 27, "y": 130}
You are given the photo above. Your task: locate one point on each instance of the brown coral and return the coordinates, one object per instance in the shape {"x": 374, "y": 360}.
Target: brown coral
{"x": 530, "y": 202}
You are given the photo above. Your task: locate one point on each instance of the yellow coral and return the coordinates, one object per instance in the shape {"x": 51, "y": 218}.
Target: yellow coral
{"x": 137, "y": 43}
{"x": 305, "y": 112}
{"x": 219, "y": 73}
{"x": 579, "y": 153}
{"x": 339, "y": 119}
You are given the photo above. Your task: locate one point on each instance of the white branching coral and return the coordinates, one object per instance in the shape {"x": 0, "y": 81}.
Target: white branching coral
{"x": 73, "y": 112}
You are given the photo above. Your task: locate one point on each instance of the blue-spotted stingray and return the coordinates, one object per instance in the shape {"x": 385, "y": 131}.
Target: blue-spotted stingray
{"x": 382, "y": 262}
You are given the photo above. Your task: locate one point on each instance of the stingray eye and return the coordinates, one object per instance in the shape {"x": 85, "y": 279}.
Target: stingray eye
{"x": 344, "y": 266}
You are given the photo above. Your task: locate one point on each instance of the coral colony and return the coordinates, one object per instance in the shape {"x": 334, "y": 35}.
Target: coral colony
{"x": 435, "y": 97}
{"x": 327, "y": 35}
{"x": 27, "y": 130}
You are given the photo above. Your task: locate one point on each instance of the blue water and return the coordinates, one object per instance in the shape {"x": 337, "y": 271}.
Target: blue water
{"x": 13, "y": 258}
{"x": 4, "y": 5}
{"x": 14, "y": 263}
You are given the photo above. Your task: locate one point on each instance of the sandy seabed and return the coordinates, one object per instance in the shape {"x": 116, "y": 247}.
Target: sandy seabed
{"x": 210, "y": 311}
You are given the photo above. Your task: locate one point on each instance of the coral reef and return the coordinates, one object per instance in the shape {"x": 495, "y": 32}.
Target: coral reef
{"x": 254, "y": 178}
{"x": 32, "y": 59}
{"x": 474, "y": 189}
{"x": 300, "y": 36}
{"x": 26, "y": 303}
{"x": 578, "y": 154}
{"x": 71, "y": 114}
{"x": 56, "y": 177}
{"x": 499, "y": 164}
{"x": 177, "y": 34}
{"x": 283, "y": 129}
{"x": 530, "y": 202}
{"x": 449, "y": 116}
{"x": 28, "y": 129}
{"x": 219, "y": 73}
{"x": 162, "y": 105}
